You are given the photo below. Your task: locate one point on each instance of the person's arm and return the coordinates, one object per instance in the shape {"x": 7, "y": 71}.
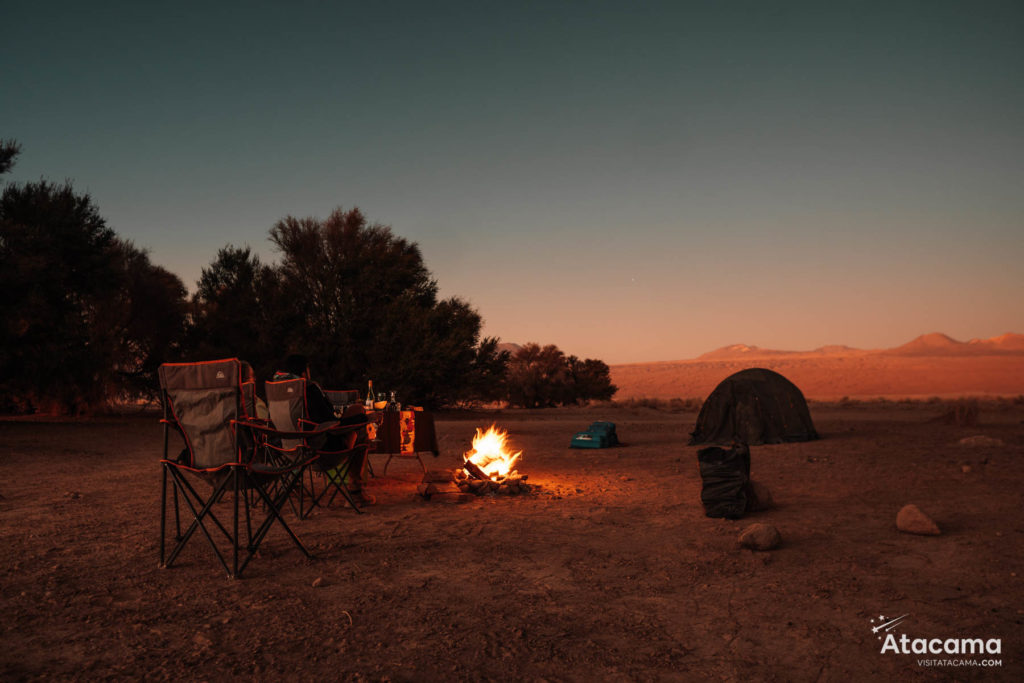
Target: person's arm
{"x": 320, "y": 409}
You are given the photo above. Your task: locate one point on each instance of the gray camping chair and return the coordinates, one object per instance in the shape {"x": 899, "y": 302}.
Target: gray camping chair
{"x": 334, "y": 445}
{"x": 207, "y": 405}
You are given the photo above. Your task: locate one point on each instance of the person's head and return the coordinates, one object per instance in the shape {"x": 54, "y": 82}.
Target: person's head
{"x": 297, "y": 364}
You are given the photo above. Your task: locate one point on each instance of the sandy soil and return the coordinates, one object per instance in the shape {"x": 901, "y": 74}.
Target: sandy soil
{"x": 831, "y": 376}
{"x": 609, "y": 570}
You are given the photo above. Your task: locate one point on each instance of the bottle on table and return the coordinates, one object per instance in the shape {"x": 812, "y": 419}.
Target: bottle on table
{"x": 392, "y": 403}
{"x": 370, "y": 398}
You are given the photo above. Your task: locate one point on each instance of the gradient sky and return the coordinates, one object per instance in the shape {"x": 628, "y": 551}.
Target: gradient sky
{"x": 629, "y": 181}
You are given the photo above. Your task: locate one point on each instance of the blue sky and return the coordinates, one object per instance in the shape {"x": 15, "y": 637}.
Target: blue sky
{"x": 630, "y": 181}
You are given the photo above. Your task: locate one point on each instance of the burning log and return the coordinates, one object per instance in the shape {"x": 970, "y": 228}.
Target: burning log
{"x": 501, "y": 485}
{"x": 474, "y": 470}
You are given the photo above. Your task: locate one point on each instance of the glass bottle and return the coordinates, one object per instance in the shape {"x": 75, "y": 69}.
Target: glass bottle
{"x": 370, "y": 398}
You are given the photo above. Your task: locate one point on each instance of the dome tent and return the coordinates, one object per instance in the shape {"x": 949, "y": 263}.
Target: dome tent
{"x": 754, "y": 406}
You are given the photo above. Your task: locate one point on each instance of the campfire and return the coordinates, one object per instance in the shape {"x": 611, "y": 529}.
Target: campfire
{"x": 489, "y": 467}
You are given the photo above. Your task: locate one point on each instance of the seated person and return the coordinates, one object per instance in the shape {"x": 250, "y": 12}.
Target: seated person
{"x": 320, "y": 410}
{"x": 260, "y": 406}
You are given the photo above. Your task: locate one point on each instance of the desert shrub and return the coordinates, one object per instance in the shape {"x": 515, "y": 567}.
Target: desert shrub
{"x": 963, "y": 413}
{"x": 668, "y": 405}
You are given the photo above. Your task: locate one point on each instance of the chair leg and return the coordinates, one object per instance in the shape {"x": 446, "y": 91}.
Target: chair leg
{"x": 273, "y": 508}
{"x": 197, "y": 522}
{"x": 234, "y": 544}
{"x": 177, "y": 512}
{"x": 163, "y": 512}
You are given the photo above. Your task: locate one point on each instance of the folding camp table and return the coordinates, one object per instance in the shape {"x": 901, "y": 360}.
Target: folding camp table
{"x": 406, "y": 434}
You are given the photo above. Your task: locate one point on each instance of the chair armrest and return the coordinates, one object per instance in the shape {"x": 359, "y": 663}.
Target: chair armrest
{"x": 326, "y": 428}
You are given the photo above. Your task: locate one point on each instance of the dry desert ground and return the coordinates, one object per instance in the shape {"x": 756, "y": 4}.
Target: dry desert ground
{"x": 606, "y": 570}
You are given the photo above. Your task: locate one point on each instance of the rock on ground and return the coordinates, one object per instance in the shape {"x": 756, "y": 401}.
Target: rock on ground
{"x": 760, "y": 537}
{"x": 911, "y": 520}
{"x": 981, "y": 441}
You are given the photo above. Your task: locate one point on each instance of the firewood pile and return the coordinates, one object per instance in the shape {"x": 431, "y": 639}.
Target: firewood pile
{"x": 459, "y": 485}
{"x": 472, "y": 479}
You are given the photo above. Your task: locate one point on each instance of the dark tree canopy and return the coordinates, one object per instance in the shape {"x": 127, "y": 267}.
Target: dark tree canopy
{"x": 94, "y": 316}
{"x": 589, "y": 380}
{"x": 358, "y": 301}
{"x": 236, "y": 312}
{"x": 539, "y": 377}
{"x": 9, "y": 149}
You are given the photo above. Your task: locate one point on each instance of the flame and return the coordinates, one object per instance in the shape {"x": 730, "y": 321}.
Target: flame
{"x": 489, "y": 453}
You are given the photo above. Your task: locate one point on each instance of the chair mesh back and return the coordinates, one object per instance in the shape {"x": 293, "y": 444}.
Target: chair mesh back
{"x": 203, "y": 398}
{"x": 286, "y": 402}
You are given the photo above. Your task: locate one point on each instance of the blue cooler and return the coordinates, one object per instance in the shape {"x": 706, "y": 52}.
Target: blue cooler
{"x": 598, "y": 435}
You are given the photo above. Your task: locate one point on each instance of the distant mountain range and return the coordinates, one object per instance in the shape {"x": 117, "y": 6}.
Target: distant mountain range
{"x": 931, "y": 365}
{"x": 933, "y": 344}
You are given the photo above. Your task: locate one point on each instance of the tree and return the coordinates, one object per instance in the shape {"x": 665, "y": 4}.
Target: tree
{"x": 144, "y": 323}
{"x": 590, "y": 380}
{"x": 58, "y": 252}
{"x": 539, "y": 377}
{"x": 236, "y": 312}
{"x": 92, "y": 317}
{"x": 9, "y": 149}
{"x": 360, "y": 302}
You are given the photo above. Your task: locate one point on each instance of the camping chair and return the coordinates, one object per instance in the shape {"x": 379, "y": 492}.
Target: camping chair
{"x": 286, "y": 401}
{"x": 206, "y": 403}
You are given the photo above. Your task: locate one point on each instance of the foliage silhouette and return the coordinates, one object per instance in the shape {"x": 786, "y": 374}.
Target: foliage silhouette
{"x": 93, "y": 317}
{"x": 354, "y": 298}
{"x": 539, "y": 377}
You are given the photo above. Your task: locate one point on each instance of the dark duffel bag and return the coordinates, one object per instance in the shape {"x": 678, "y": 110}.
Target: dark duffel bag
{"x": 725, "y": 474}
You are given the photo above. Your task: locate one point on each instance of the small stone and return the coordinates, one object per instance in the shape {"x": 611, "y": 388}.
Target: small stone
{"x": 760, "y": 537}
{"x": 318, "y": 581}
{"x": 965, "y": 469}
{"x": 910, "y": 520}
{"x": 202, "y": 641}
